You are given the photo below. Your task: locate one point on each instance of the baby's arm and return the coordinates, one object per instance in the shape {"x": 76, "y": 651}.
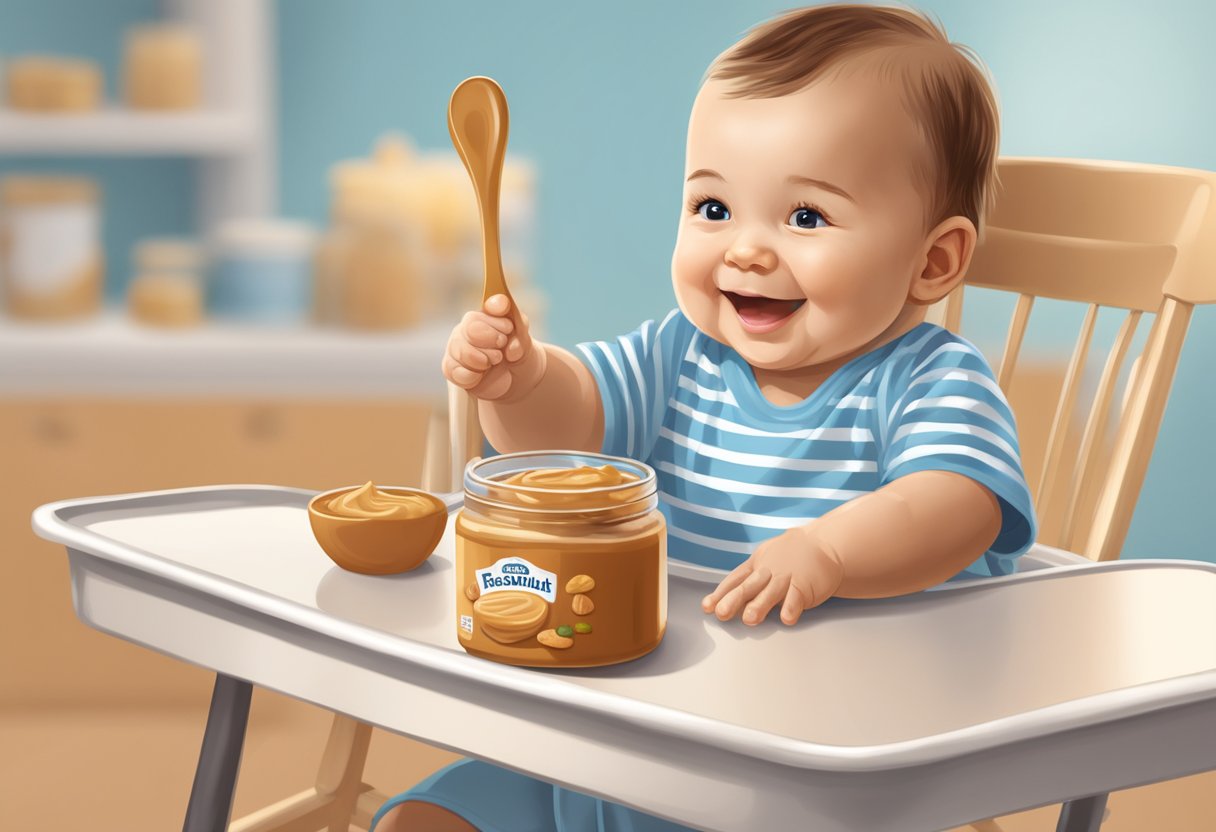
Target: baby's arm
{"x": 909, "y": 535}
{"x": 530, "y": 395}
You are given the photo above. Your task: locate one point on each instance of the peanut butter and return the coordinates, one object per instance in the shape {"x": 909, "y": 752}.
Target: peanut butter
{"x": 560, "y": 564}
{"x": 369, "y": 501}
{"x": 582, "y": 487}
{"x": 584, "y": 476}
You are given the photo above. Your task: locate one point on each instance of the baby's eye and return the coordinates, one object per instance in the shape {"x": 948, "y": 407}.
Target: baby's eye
{"x": 712, "y": 209}
{"x": 804, "y": 217}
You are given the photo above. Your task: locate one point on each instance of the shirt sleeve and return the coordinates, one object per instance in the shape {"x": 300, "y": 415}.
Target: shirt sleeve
{"x": 952, "y": 416}
{"x": 634, "y": 374}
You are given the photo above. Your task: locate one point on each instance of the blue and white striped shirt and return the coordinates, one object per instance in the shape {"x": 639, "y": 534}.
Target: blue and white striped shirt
{"x": 735, "y": 469}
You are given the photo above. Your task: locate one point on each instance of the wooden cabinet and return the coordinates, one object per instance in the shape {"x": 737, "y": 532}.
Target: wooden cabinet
{"x": 57, "y": 448}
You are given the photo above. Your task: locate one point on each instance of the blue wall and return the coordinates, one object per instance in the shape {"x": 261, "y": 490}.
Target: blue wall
{"x": 600, "y": 95}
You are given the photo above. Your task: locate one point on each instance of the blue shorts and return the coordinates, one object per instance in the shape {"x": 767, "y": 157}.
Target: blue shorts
{"x": 497, "y": 800}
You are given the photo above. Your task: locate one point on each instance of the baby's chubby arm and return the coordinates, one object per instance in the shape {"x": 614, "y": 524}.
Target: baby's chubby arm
{"x": 531, "y": 395}
{"x": 909, "y": 535}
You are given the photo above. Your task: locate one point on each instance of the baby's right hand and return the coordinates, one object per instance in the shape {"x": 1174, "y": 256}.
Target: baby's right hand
{"x": 489, "y": 356}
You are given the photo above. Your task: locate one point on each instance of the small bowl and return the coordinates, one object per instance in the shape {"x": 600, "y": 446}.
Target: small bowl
{"x": 375, "y": 545}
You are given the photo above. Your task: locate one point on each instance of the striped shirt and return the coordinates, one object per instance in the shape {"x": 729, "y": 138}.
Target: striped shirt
{"x": 735, "y": 469}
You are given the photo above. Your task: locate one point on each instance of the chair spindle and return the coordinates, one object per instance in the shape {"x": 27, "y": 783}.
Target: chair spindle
{"x": 1063, "y": 419}
{"x": 1013, "y": 343}
{"x": 1096, "y": 423}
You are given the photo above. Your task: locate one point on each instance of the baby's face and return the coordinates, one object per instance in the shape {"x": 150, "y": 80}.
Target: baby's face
{"x": 803, "y": 223}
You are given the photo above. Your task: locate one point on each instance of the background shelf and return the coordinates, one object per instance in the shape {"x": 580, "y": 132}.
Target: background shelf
{"x": 125, "y": 132}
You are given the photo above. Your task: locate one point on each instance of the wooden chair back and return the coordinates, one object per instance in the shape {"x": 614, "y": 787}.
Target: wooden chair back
{"x": 1136, "y": 238}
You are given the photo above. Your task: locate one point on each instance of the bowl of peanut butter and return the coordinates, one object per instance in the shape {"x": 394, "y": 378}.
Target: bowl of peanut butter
{"x": 377, "y": 530}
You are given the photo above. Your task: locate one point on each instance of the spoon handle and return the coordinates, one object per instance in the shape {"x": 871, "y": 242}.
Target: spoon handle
{"x": 478, "y": 122}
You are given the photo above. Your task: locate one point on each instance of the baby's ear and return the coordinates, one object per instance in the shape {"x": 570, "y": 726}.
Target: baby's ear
{"x": 947, "y": 254}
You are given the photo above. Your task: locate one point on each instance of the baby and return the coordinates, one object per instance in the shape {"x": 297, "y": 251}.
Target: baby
{"x": 810, "y": 432}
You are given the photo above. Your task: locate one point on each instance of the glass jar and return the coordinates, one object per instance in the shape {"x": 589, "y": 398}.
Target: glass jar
{"x": 262, "y": 272}
{"x": 553, "y": 576}
{"x": 50, "y": 246}
{"x": 167, "y": 287}
{"x": 372, "y": 267}
{"x": 163, "y": 67}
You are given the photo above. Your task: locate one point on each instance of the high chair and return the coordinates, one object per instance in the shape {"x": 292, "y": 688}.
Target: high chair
{"x": 1139, "y": 238}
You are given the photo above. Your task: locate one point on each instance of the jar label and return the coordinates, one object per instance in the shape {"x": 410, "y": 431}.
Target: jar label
{"x": 51, "y": 246}
{"x": 512, "y": 573}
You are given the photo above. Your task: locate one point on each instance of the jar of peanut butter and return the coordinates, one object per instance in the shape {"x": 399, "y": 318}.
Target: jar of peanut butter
{"x": 561, "y": 560}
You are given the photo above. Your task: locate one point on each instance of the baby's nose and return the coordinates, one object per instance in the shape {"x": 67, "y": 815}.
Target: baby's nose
{"x": 751, "y": 257}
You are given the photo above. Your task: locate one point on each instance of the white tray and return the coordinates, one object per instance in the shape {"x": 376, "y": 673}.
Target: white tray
{"x": 920, "y": 712}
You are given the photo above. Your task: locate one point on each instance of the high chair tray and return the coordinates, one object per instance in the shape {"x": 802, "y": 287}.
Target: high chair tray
{"x": 953, "y": 705}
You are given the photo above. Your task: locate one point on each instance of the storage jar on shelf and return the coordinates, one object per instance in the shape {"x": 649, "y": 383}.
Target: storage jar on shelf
{"x": 372, "y": 261}
{"x": 167, "y": 287}
{"x": 50, "y": 246}
{"x": 163, "y": 67}
{"x": 262, "y": 272}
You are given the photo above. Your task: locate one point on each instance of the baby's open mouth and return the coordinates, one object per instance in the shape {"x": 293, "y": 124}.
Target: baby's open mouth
{"x": 761, "y": 314}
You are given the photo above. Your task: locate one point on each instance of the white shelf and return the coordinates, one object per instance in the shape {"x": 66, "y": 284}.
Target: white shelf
{"x": 124, "y": 132}
{"x": 110, "y": 355}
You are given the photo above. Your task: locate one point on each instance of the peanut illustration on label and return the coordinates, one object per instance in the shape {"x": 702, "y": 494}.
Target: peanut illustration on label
{"x": 581, "y": 605}
{"x": 472, "y": 592}
{"x": 550, "y": 638}
{"x": 580, "y": 583}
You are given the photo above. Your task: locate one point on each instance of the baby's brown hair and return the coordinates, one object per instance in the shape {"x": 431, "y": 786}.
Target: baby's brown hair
{"x": 946, "y": 88}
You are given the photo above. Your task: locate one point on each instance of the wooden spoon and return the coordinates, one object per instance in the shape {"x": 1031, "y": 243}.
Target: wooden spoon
{"x": 478, "y": 121}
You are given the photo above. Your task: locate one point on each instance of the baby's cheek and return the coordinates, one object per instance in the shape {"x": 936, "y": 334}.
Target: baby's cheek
{"x": 692, "y": 279}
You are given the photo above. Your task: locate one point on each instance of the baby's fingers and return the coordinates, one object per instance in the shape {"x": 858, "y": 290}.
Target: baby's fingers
{"x": 737, "y": 576}
{"x": 729, "y": 606}
{"x": 482, "y": 324}
{"x": 473, "y": 358}
{"x": 488, "y": 333}
{"x": 459, "y": 375}
{"x": 769, "y": 597}
{"x": 498, "y": 305}
{"x": 795, "y": 603}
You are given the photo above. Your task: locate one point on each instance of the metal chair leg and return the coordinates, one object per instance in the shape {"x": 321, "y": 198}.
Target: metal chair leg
{"x": 1084, "y": 814}
{"x": 220, "y": 757}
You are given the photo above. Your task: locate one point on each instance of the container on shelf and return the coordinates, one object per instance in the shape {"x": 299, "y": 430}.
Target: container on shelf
{"x": 162, "y": 67}
{"x": 372, "y": 265}
{"x": 444, "y": 206}
{"x": 262, "y": 271}
{"x": 406, "y": 239}
{"x": 48, "y": 83}
{"x": 50, "y": 246}
{"x": 167, "y": 287}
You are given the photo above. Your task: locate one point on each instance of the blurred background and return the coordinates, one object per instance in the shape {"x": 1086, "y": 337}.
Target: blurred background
{"x": 235, "y": 237}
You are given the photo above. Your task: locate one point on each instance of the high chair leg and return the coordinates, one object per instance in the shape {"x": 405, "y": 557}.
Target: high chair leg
{"x": 341, "y": 772}
{"x": 1083, "y": 815}
{"x": 336, "y": 800}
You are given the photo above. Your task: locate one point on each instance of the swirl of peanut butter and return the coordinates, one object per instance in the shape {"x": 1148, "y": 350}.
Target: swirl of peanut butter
{"x": 583, "y": 476}
{"x": 369, "y": 501}
{"x": 560, "y": 487}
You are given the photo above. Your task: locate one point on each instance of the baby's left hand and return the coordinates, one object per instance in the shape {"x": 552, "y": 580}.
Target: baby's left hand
{"x": 793, "y": 567}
